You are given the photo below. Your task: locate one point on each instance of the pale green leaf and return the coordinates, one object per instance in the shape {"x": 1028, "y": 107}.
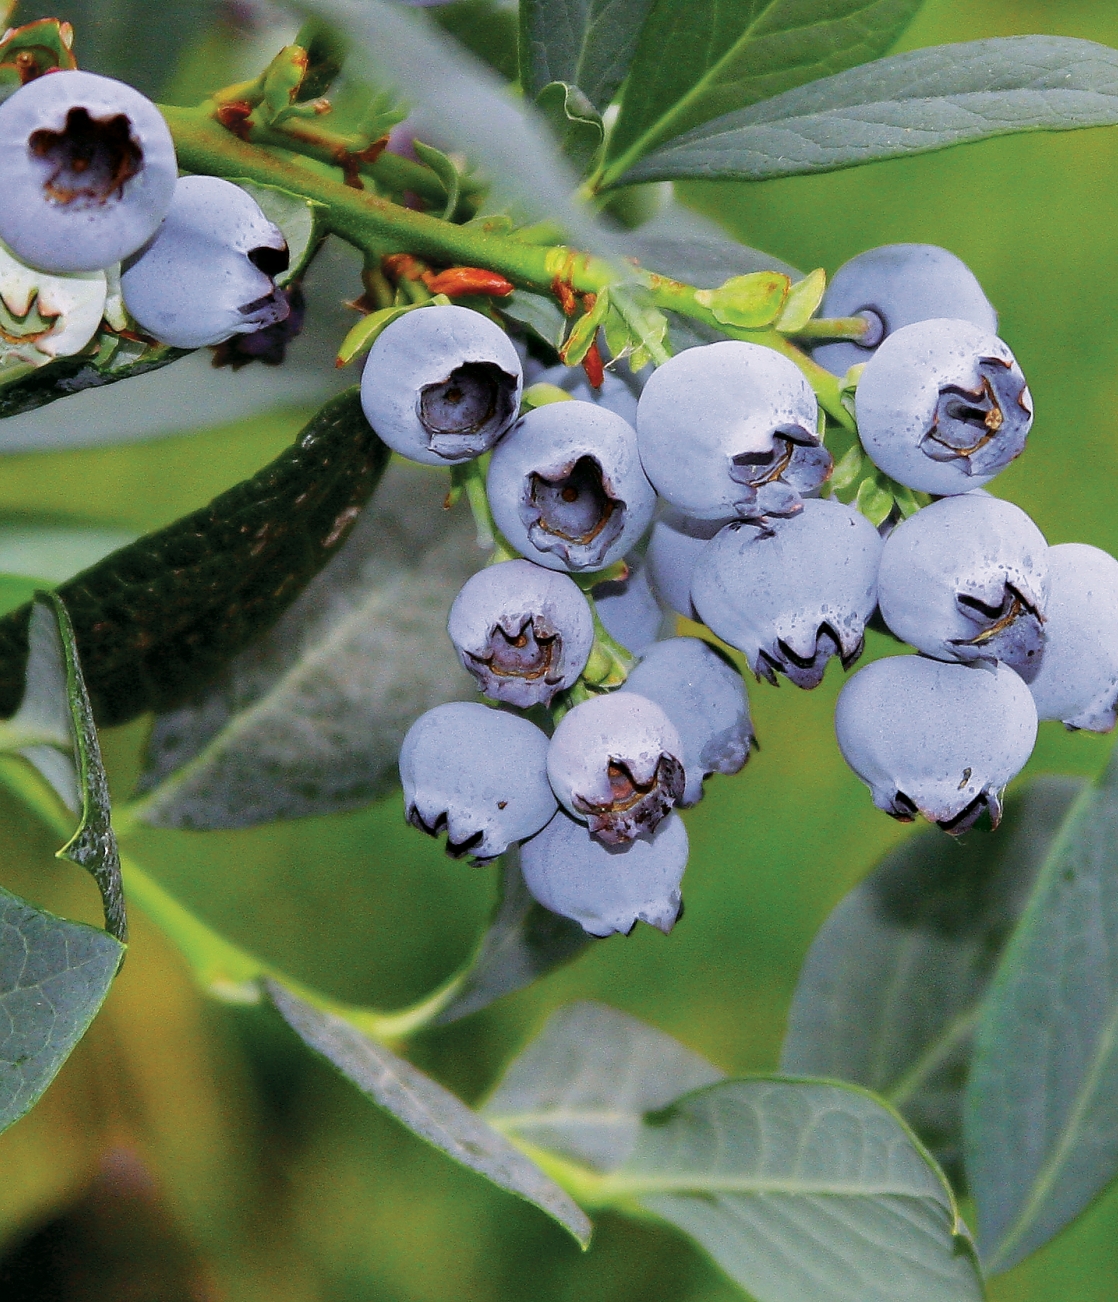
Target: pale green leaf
{"x": 587, "y": 43}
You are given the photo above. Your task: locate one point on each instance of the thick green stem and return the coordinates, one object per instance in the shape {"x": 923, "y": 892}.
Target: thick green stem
{"x": 852, "y": 329}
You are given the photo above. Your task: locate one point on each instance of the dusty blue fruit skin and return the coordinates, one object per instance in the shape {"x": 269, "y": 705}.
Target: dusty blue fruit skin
{"x": 197, "y": 282}
{"x": 967, "y": 579}
{"x": 1077, "y": 679}
{"x": 935, "y": 738}
{"x": 524, "y": 632}
{"x": 674, "y": 547}
{"x": 943, "y": 407}
{"x": 441, "y": 349}
{"x": 615, "y": 762}
{"x": 607, "y": 889}
{"x": 704, "y": 696}
{"x": 566, "y": 487}
{"x": 896, "y": 285}
{"x": 479, "y": 775}
{"x": 730, "y": 430}
{"x": 794, "y": 594}
{"x": 629, "y": 610}
{"x": 102, "y": 221}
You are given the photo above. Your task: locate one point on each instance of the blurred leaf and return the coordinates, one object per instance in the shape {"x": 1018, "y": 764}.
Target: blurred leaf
{"x": 54, "y": 976}
{"x": 70, "y": 375}
{"x": 53, "y": 552}
{"x": 804, "y": 1191}
{"x": 487, "y": 28}
{"x": 541, "y": 315}
{"x": 700, "y": 59}
{"x": 586, "y": 43}
{"x": 1039, "y": 1131}
{"x": 583, "y": 1085}
{"x": 575, "y": 121}
{"x": 162, "y": 616}
{"x": 907, "y": 104}
{"x": 524, "y": 942}
{"x": 427, "y": 1109}
{"x": 296, "y": 217}
{"x": 16, "y": 589}
{"x": 310, "y": 718}
{"x": 891, "y": 989}
{"x": 445, "y": 170}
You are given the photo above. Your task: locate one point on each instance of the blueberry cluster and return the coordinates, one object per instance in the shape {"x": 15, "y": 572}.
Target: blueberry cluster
{"x": 727, "y": 454}
{"x": 92, "y": 196}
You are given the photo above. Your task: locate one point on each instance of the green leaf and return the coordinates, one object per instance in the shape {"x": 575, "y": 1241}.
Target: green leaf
{"x": 444, "y": 168}
{"x": 54, "y": 976}
{"x": 585, "y": 330}
{"x": 700, "y": 59}
{"x": 310, "y": 719}
{"x": 907, "y": 104}
{"x": 1039, "y": 1130}
{"x": 17, "y": 590}
{"x": 70, "y": 375}
{"x": 160, "y": 618}
{"x": 541, "y": 315}
{"x": 427, "y": 1109}
{"x": 524, "y": 942}
{"x": 366, "y": 332}
{"x": 586, "y": 43}
{"x": 803, "y": 299}
{"x": 750, "y": 302}
{"x": 298, "y": 219}
{"x": 487, "y": 28}
{"x": 848, "y": 469}
{"x": 575, "y": 121}
{"x": 890, "y": 991}
{"x": 583, "y": 1086}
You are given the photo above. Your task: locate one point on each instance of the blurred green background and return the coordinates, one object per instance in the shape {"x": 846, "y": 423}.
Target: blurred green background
{"x": 194, "y": 1151}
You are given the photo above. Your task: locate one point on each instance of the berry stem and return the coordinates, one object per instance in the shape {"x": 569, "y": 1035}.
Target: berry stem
{"x": 852, "y": 329}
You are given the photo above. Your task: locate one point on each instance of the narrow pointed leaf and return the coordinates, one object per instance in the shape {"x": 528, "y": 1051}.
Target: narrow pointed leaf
{"x": 1040, "y": 1134}
{"x": 588, "y": 43}
{"x": 907, "y": 104}
{"x": 54, "y": 976}
{"x": 427, "y": 1109}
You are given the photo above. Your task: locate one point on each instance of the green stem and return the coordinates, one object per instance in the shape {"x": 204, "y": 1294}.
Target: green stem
{"x": 852, "y": 329}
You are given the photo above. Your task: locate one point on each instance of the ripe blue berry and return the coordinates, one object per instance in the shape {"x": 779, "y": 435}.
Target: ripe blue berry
{"x": 441, "y": 385}
{"x": 524, "y": 632}
{"x": 1077, "y": 679}
{"x": 615, "y": 762}
{"x": 943, "y": 407}
{"x": 208, "y": 273}
{"x": 704, "y": 696}
{"x": 794, "y": 594}
{"x": 730, "y": 429}
{"x": 934, "y": 738}
{"x": 629, "y": 610}
{"x": 967, "y": 579}
{"x": 477, "y": 774}
{"x": 894, "y": 286}
{"x": 566, "y": 487}
{"x": 607, "y": 888}
{"x": 89, "y": 171}
{"x": 674, "y": 547}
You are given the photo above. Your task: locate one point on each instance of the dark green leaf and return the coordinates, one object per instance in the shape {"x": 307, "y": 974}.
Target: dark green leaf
{"x": 162, "y": 616}
{"x": 524, "y": 942}
{"x": 1039, "y": 1132}
{"x": 581, "y": 1088}
{"x": 427, "y": 1109}
{"x": 487, "y": 28}
{"x": 310, "y": 718}
{"x": 907, "y": 104}
{"x": 889, "y": 994}
{"x": 700, "y": 59}
{"x": 70, "y": 375}
{"x": 575, "y": 121}
{"x": 586, "y": 43}
{"x": 54, "y": 976}
{"x": 541, "y": 315}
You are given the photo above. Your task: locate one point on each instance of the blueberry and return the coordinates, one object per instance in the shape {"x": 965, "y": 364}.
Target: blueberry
{"x": 1077, "y": 679}
{"x": 967, "y": 579}
{"x": 566, "y": 487}
{"x": 615, "y": 762}
{"x": 208, "y": 273}
{"x": 943, "y": 407}
{"x": 441, "y": 385}
{"x": 524, "y": 632}
{"x": 477, "y": 774}
{"x": 607, "y": 888}
{"x": 704, "y": 696}
{"x": 618, "y": 393}
{"x": 674, "y": 547}
{"x": 894, "y": 286}
{"x": 629, "y": 610}
{"x": 730, "y": 429}
{"x": 936, "y": 739}
{"x": 794, "y": 594}
{"x": 89, "y": 171}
